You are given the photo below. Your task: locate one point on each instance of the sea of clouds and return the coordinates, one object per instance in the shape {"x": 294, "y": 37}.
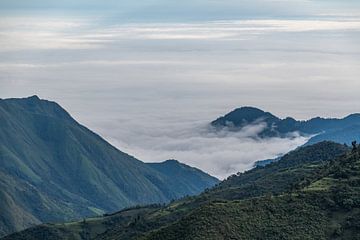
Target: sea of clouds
{"x": 151, "y": 85}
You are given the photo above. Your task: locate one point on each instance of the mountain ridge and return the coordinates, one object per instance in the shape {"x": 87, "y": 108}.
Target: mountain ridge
{"x": 318, "y": 129}
{"x": 280, "y": 200}
{"x": 55, "y": 169}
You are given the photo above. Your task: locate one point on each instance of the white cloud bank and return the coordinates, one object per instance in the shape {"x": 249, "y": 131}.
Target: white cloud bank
{"x": 35, "y": 33}
{"x": 218, "y": 153}
{"x": 151, "y": 89}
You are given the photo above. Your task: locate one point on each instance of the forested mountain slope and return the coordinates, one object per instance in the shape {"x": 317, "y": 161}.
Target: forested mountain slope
{"x": 53, "y": 169}
{"x": 323, "y": 205}
{"x": 311, "y": 193}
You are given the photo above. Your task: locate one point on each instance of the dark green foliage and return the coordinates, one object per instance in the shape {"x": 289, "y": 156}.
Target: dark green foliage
{"x": 302, "y": 196}
{"x": 283, "y": 175}
{"x": 265, "y": 218}
{"x": 54, "y": 169}
{"x": 326, "y": 207}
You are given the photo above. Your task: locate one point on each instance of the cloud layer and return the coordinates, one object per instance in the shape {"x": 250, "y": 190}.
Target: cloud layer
{"x": 34, "y": 33}
{"x": 152, "y": 88}
{"x": 220, "y": 154}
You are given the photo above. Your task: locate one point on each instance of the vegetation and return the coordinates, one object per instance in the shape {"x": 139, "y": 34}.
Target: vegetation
{"x": 326, "y": 207}
{"x": 53, "y": 169}
{"x": 283, "y": 175}
{"x": 311, "y": 193}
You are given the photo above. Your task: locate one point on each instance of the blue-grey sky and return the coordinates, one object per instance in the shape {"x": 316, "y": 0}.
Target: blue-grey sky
{"x": 173, "y": 10}
{"x": 149, "y": 75}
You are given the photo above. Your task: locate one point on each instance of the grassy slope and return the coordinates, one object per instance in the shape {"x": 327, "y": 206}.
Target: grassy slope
{"x": 54, "y": 169}
{"x": 326, "y": 208}
{"x": 232, "y": 203}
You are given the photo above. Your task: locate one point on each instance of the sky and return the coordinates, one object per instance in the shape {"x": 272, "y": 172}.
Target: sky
{"x": 150, "y": 75}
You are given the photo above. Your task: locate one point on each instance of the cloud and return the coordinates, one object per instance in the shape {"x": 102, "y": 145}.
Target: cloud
{"x": 34, "y": 33}
{"x": 151, "y": 88}
{"x": 218, "y": 153}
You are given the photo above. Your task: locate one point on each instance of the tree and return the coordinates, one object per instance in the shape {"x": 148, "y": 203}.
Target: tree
{"x": 354, "y": 145}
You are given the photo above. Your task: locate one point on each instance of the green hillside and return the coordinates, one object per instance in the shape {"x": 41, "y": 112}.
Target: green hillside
{"x": 326, "y": 205}
{"x": 280, "y": 176}
{"x": 53, "y": 169}
{"x": 310, "y": 193}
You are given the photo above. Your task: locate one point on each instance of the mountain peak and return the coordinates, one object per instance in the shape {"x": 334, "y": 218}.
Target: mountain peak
{"x": 24, "y": 99}
{"x": 248, "y": 110}
{"x": 31, "y": 100}
{"x": 34, "y": 97}
{"x": 353, "y": 116}
{"x": 174, "y": 161}
{"x": 72, "y": 172}
{"x": 243, "y": 116}
{"x": 343, "y": 130}
{"x": 35, "y": 105}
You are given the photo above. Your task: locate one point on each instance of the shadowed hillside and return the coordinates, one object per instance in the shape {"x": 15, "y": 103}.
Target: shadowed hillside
{"x": 54, "y": 169}
{"x": 342, "y": 130}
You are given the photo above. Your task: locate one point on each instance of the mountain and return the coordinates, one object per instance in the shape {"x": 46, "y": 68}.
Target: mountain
{"x": 263, "y": 163}
{"x": 343, "y": 130}
{"x": 310, "y": 193}
{"x": 183, "y": 180}
{"x": 53, "y": 169}
{"x": 246, "y": 116}
{"x": 323, "y": 204}
{"x": 340, "y": 135}
{"x": 282, "y": 175}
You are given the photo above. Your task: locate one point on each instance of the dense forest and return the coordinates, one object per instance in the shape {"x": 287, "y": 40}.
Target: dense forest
{"x": 310, "y": 193}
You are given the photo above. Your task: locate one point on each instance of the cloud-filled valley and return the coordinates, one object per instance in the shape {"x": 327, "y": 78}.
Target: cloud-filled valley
{"x": 152, "y": 87}
{"x": 218, "y": 153}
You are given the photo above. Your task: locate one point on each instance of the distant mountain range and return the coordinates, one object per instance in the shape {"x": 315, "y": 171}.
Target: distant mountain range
{"x": 54, "y": 169}
{"x": 343, "y": 130}
{"x": 310, "y": 193}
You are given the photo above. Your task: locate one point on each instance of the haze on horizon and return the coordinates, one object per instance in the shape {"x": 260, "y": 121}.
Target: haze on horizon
{"x": 149, "y": 76}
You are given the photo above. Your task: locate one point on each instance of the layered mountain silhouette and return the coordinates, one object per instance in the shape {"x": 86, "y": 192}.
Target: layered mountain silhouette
{"x": 54, "y": 169}
{"x": 310, "y": 193}
{"x": 343, "y": 130}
